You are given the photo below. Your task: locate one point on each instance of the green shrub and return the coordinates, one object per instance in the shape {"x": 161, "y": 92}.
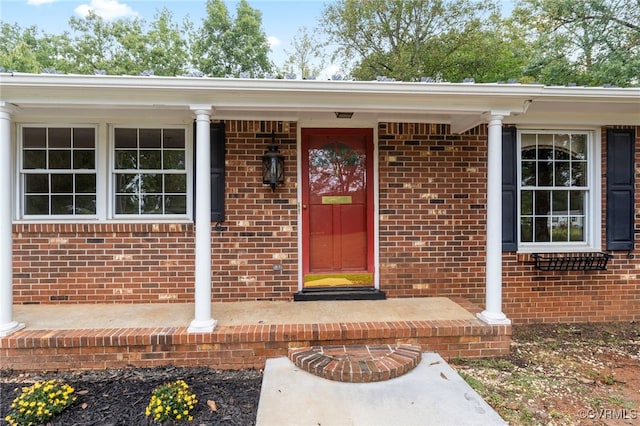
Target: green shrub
{"x": 40, "y": 402}
{"x": 173, "y": 400}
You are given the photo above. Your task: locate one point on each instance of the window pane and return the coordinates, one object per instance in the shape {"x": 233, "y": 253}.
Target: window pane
{"x": 579, "y": 147}
{"x": 85, "y": 204}
{"x": 61, "y": 184}
{"x": 36, "y": 184}
{"x": 545, "y": 147}
{"x": 542, "y": 202}
{"x": 62, "y": 204}
{"x": 150, "y": 138}
{"x": 173, "y": 160}
{"x": 84, "y": 138}
{"x": 526, "y": 203}
{"x": 127, "y": 204}
{"x": 576, "y": 232}
{"x": 560, "y": 202}
{"x": 541, "y": 229}
{"x": 36, "y": 204}
{"x": 545, "y": 173}
{"x": 126, "y": 138}
{"x": 562, "y": 147}
{"x": 156, "y": 156}
{"x": 576, "y": 200}
{"x": 175, "y": 183}
{"x": 34, "y": 137}
{"x": 126, "y": 160}
{"x": 151, "y": 204}
{"x": 63, "y": 150}
{"x": 173, "y": 138}
{"x": 150, "y": 160}
{"x": 84, "y": 160}
{"x": 151, "y": 183}
{"x": 60, "y": 159}
{"x": 528, "y": 147}
{"x": 175, "y": 204}
{"x": 33, "y": 159}
{"x": 526, "y": 229}
{"x": 562, "y": 173}
{"x": 59, "y": 137}
{"x": 560, "y": 228}
{"x": 528, "y": 173}
{"x": 549, "y": 163}
{"x": 86, "y": 183}
{"x": 127, "y": 183}
{"x": 579, "y": 173}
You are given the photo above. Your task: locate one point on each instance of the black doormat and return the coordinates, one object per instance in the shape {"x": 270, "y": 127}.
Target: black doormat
{"x": 345, "y": 293}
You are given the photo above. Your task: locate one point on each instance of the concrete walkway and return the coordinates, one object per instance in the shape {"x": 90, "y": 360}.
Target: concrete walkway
{"x": 431, "y": 394}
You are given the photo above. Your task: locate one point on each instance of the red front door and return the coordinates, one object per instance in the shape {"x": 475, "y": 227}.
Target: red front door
{"x": 337, "y": 207}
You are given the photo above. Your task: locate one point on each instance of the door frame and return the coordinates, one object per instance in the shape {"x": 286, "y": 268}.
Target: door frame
{"x": 374, "y": 209}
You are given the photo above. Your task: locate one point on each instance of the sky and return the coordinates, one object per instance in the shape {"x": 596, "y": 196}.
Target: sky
{"x": 281, "y": 19}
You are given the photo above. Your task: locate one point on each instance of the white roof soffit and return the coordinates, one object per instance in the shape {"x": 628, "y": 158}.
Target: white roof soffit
{"x": 463, "y": 105}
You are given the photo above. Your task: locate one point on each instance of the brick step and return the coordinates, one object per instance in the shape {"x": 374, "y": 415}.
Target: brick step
{"x": 357, "y": 363}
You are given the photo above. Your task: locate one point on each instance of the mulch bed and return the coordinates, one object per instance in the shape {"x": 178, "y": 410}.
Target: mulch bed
{"x": 119, "y": 397}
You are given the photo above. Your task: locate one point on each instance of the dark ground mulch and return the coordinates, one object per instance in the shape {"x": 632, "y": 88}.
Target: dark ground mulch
{"x": 119, "y": 397}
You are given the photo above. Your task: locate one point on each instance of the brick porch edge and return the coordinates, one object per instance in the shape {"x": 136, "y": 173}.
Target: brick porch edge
{"x": 357, "y": 363}
{"x": 237, "y": 347}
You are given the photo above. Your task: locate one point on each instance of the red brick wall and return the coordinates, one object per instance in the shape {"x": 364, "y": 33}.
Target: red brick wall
{"x": 432, "y": 234}
{"x": 432, "y": 192}
{"x": 612, "y": 295}
{"x": 138, "y": 263}
{"x": 105, "y": 263}
{"x": 432, "y": 189}
{"x": 261, "y": 227}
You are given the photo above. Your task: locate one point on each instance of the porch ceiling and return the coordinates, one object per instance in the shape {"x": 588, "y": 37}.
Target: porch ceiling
{"x": 462, "y": 105}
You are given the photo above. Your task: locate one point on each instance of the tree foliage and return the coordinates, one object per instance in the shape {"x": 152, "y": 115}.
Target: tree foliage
{"x": 306, "y": 57}
{"x": 587, "y": 42}
{"x": 168, "y": 48}
{"x": 590, "y": 42}
{"x": 226, "y": 47}
{"x": 406, "y": 40}
{"x": 28, "y": 50}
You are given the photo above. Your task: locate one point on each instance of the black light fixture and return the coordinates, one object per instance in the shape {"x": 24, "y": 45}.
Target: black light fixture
{"x": 273, "y": 165}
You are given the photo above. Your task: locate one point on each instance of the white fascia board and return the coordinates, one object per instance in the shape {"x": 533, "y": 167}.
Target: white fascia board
{"x": 286, "y": 98}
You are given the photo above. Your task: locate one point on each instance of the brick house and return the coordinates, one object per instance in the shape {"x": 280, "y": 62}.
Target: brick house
{"x": 151, "y": 190}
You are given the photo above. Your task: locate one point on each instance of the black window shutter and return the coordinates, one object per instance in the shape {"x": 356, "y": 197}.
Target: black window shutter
{"x": 509, "y": 189}
{"x": 217, "y": 153}
{"x": 217, "y": 172}
{"x": 620, "y": 188}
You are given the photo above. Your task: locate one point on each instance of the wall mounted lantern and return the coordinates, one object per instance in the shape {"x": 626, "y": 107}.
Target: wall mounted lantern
{"x": 273, "y": 165}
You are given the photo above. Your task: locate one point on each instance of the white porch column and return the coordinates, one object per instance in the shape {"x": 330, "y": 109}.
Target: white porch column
{"x": 203, "y": 322}
{"x": 493, "y": 273}
{"x": 7, "y": 324}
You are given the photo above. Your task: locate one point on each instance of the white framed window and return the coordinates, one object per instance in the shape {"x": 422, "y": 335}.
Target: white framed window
{"x": 57, "y": 167}
{"x": 558, "y": 190}
{"x": 149, "y": 170}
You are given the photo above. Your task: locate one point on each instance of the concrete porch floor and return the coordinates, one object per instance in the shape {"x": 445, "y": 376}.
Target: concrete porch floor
{"x": 94, "y": 316}
{"x": 72, "y": 337}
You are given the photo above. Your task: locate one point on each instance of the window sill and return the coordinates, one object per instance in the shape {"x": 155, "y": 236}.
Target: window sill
{"x": 546, "y": 248}
{"x": 100, "y": 221}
